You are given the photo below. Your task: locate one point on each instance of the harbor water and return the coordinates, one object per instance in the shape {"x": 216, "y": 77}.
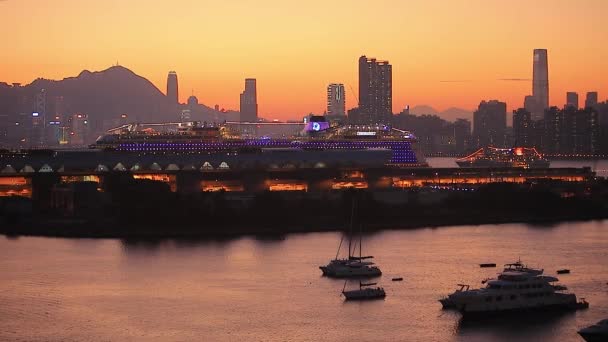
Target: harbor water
{"x": 271, "y": 289}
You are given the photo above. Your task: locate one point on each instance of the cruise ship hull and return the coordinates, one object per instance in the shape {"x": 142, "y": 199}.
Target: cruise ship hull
{"x": 538, "y": 164}
{"x": 516, "y": 157}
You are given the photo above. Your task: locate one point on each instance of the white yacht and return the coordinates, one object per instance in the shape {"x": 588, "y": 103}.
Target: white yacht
{"x": 518, "y": 266}
{"x": 449, "y": 301}
{"x": 364, "y": 292}
{"x": 515, "y": 291}
{"x": 595, "y": 333}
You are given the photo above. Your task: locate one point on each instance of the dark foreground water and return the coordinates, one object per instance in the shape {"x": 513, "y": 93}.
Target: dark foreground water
{"x": 261, "y": 289}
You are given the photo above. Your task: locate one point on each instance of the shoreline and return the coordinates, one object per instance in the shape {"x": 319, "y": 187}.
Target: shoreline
{"x": 87, "y": 230}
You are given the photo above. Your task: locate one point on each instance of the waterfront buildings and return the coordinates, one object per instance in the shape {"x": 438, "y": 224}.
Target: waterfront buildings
{"x": 591, "y": 99}
{"x": 462, "y": 135}
{"x": 571, "y": 131}
{"x": 80, "y": 130}
{"x": 375, "y": 92}
{"x": 249, "y": 102}
{"x": 172, "y": 88}
{"x": 336, "y": 101}
{"x": 572, "y": 99}
{"x": 522, "y": 128}
{"x": 490, "y": 123}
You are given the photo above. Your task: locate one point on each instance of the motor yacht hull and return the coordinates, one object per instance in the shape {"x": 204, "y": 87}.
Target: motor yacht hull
{"x": 559, "y": 302}
{"x": 594, "y": 336}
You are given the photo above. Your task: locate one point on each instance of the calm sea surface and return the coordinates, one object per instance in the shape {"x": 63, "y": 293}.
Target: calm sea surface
{"x": 260, "y": 289}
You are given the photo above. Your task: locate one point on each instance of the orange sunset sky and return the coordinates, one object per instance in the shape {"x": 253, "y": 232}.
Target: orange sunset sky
{"x": 295, "y": 48}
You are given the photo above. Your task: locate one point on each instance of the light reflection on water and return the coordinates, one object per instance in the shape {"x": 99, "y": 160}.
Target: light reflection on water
{"x": 270, "y": 288}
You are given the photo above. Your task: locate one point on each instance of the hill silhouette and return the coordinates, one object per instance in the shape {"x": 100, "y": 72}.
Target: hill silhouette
{"x": 105, "y": 95}
{"x": 450, "y": 114}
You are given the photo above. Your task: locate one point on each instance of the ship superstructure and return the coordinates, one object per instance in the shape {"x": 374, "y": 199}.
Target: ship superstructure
{"x": 317, "y": 136}
{"x": 492, "y": 157}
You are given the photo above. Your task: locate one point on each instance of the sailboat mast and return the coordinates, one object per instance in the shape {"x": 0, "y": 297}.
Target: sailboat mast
{"x": 350, "y": 233}
{"x": 360, "y": 241}
{"x": 339, "y": 246}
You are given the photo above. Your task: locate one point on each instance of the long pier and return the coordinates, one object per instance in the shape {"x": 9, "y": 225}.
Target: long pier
{"x": 320, "y": 179}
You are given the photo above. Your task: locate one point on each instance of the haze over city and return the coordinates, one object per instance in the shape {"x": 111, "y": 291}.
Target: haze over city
{"x": 239, "y": 170}
{"x": 444, "y": 54}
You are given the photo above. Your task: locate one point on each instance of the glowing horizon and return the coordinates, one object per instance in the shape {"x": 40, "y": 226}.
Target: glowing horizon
{"x": 444, "y": 53}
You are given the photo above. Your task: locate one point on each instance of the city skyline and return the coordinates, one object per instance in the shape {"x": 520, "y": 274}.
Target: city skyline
{"x": 296, "y": 65}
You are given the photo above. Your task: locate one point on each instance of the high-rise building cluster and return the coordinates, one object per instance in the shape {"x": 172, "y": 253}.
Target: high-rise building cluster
{"x": 436, "y": 136}
{"x": 375, "y": 93}
{"x": 567, "y": 131}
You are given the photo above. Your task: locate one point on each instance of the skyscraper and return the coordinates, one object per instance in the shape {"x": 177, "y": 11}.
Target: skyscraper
{"x": 540, "y": 83}
{"x": 249, "y": 101}
{"x": 38, "y": 123}
{"x": 572, "y": 99}
{"x": 335, "y": 99}
{"x": 375, "y": 91}
{"x": 591, "y": 99}
{"x": 522, "y": 127}
{"x": 530, "y": 103}
{"x": 462, "y": 135}
{"x": 172, "y": 88}
{"x": 490, "y": 123}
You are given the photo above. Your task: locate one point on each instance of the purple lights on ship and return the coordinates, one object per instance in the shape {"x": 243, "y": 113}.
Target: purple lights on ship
{"x": 402, "y": 152}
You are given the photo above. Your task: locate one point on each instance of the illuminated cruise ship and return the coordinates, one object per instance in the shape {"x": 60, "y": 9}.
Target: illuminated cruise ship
{"x": 220, "y": 139}
{"x": 493, "y": 157}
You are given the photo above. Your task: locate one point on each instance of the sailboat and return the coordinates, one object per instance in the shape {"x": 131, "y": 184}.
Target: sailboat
{"x": 352, "y": 266}
{"x": 364, "y": 292}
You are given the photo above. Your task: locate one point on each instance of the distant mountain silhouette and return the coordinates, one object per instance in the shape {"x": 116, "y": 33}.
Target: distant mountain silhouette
{"x": 105, "y": 95}
{"x": 450, "y": 114}
{"x": 453, "y": 113}
{"x": 423, "y": 110}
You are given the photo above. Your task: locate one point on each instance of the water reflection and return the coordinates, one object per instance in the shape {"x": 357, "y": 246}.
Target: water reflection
{"x": 513, "y": 327}
{"x": 270, "y": 238}
{"x": 270, "y": 288}
{"x": 153, "y": 246}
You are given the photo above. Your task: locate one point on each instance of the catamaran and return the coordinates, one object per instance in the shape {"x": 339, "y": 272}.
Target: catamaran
{"x": 352, "y": 266}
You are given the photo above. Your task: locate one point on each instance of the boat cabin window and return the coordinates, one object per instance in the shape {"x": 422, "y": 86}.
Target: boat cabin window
{"x": 488, "y": 299}
{"x": 513, "y": 297}
{"x": 498, "y": 298}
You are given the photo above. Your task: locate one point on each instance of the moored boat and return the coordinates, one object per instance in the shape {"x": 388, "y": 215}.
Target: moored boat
{"x": 595, "y": 333}
{"x": 516, "y": 157}
{"x": 515, "y": 291}
{"x": 364, "y": 292}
